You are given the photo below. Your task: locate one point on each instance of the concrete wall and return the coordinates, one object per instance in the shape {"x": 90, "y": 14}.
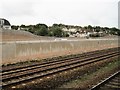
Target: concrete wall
{"x": 13, "y": 52}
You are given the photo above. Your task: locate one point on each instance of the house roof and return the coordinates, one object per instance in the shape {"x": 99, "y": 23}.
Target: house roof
{"x": 6, "y": 22}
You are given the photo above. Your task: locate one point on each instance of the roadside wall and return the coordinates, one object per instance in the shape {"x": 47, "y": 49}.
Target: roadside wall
{"x": 13, "y": 52}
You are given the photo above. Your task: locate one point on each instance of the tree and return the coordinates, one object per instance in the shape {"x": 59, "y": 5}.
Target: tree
{"x": 106, "y": 28}
{"x": 118, "y": 32}
{"x": 55, "y": 25}
{"x": 85, "y": 27}
{"x": 50, "y": 33}
{"x": 61, "y": 25}
{"x": 114, "y": 31}
{"x": 42, "y": 31}
{"x": 97, "y": 28}
{"x": 40, "y": 25}
{"x": 90, "y": 27}
{"x": 65, "y": 34}
{"x": 31, "y": 30}
{"x": 14, "y": 27}
{"x": 56, "y": 31}
{"x": 23, "y": 26}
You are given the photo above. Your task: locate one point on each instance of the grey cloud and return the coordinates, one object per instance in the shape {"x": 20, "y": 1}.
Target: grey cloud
{"x": 17, "y": 9}
{"x": 80, "y": 12}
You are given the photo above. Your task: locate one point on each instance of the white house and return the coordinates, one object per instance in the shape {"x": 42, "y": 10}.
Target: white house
{"x": 70, "y": 29}
{"x": 5, "y": 24}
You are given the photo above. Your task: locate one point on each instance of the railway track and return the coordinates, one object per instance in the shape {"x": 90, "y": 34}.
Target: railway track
{"x": 4, "y": 69}
{"x": 110, "y": 83}
{"x": 23, "y": 74}
{"x": 36, "y": 65}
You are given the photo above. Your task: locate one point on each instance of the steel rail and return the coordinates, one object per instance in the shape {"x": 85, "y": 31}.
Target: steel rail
{"x": 96, "y": 59}
{"x": 96, "y": 87}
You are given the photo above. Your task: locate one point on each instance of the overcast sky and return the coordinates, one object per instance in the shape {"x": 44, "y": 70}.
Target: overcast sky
{"x": 70, "y": 12}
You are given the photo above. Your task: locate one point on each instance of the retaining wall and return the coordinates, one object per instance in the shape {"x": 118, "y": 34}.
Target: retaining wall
{"x": 13, "y": 52}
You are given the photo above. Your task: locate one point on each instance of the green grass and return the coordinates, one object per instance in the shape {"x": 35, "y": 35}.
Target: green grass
{"x": 75, "y": 83}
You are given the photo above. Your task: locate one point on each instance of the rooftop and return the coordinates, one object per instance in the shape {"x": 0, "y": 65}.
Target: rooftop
{"x": 6, "y": 22}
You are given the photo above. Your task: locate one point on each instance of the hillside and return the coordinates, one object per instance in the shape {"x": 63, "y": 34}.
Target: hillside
{"x": 16, "y": 35}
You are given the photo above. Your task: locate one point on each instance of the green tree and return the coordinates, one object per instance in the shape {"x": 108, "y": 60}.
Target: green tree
{"x": 42, "y": 31}
{"x": 14, "y": 27}
{"x": 90, "y": 27}
{"x": 55, "y": 25}
{"x": 31, "y": 30}
{"x": 97, "y": 28}
{"x": 118, "y": 32}
{"x": 40, "y": 25}
{"x": 50, "y": 33}
{"x": 22, "y": 26}
{"x": 56, "y": 31}
{"x": 114, "y": 31}
{"x": 85, "y": 27}
{"x": 65, "y": 34}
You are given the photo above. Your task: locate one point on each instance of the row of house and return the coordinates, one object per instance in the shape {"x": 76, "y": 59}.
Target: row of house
{"x": 73, "y": 32}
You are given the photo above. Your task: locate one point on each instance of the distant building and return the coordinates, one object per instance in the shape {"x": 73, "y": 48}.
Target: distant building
{"x": 5, "y": 24}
